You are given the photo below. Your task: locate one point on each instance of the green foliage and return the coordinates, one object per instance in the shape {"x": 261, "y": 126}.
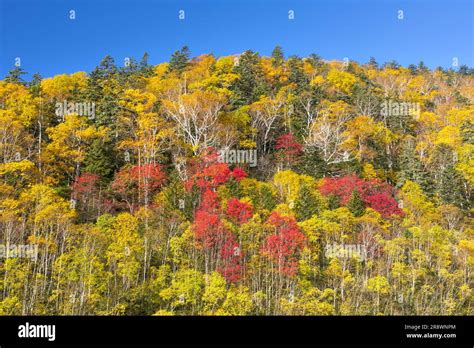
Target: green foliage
{"x": 308, "y": 203}
{"x": 100, "y": 160}
{"x": 250, "y": 84}
{"x": 277, "y": 56}
{"x": 451, "y": 187}
{"x": 356, "y": 205}
{"x": 179, "y": 59}
{"x": 14, "y": 76}
{"x": 412, "y": 169}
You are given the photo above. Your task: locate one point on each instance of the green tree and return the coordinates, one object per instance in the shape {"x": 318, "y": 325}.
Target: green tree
{"x": 101, "y": 159}
{"x": 308, "y": 203}
{"x": 179, "y": 59}
{"x": 296, "y": 73}
{"x": 277, "y": 56}
{"x": 251, "y": 84}
{"x": 14, "y": 76}
{"x": 451, "y": 187}
{"x": 355, "y": 205}
{"x": 412, "y": 169}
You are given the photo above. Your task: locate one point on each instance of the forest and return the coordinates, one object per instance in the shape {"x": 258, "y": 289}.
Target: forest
{"x": 238, "y": 185}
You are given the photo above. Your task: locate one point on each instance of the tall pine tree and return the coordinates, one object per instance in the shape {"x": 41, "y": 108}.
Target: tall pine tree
{"x": 355, "y": 205}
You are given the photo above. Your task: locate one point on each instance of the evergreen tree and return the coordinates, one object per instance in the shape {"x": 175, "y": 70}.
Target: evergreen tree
{"x": 128, "y": 70}
{"x": 101, "y": 160}
{"x": 468, "y": 132}
{"x": 412, "y": 169}
{"x": 145, "y": 68}
{"x": 465, "y": 70}
{"x": 422, "y": 68}
{"x": 191, "y": 202}
{"x": 176, "y": 197}
{"x": 277, "y": 56}
{"x": 14, "y": 76}
{"x": 106, "y": 69}
{"x": 315, "y": 60}
{"x": 267, "y": 200}
{"x": 451, "y": 188}
{"x": 102, "y": 90}
{"x": 393, "y": 64}
{"x": 179, "y": 59}
{"x": 296, "y": 73}
{"x": 312, "y": 164}
{"x": 413, "y": 69}
{"x": 373, "y": 63}
{"x": 355, "y": 205}
{"x": 105, "y": 72}
{"x": 35, "y": 85}
{"x": 251, "y": 83}
{"x": 307, "y": 204}
{"x": 334, "y": 202}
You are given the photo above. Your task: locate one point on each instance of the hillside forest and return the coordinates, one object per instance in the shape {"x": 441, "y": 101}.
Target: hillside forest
{"x": 238, "y": 185}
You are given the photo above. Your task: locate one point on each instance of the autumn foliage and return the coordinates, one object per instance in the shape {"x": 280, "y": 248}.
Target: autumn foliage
{"x": 288, "y": 148}
{"x": 375, "y": 194}
{"x": 241, "y": 212}
{"x": 283, "y": 246}
{"x": 346, "y": 189}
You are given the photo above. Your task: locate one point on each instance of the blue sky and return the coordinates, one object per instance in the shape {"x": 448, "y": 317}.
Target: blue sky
{"x": 47, "y": 41}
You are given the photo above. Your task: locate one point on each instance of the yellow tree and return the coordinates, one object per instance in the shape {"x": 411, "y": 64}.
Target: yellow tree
{"x": 69, "y": 143}
{"x": 362, "y": 133}
{"x": 145, "y": 131}
{"x": 341, "y": 81}
{"x": 14, "y": 139}
{"x": 17, "y": 99}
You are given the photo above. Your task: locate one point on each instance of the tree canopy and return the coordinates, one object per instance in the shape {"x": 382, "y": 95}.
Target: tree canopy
{"x": 238, "y": 185}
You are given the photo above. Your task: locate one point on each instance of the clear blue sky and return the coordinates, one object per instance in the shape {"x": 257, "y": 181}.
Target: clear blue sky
{"x": 47, "y": 41}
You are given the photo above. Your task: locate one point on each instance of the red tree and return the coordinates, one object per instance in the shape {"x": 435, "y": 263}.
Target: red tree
{"x": 207, "y": 172}
{"x": 231, "y": 257}
{"x": 239, "y": 211}
{"x": 288, "y": 149}
{"x": 384, "y": 203}
{"x": 375, "y": 194}
{"x": 342, "y": 187}
{"x": 209, "y": 201}
{"x": 284, "y": 246}
{"x": 85, "y": 191}
{"x": 208, "y": 229}
{"x": 148, "y": 176}
{"x": 85, "y": 184}
{"x": 138, "y": 183}
{"x": 215, "y": 239}
{"x": 238, "y": 174}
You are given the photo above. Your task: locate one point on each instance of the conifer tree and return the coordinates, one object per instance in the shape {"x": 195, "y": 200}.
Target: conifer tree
{"x": 412, "y": 169}
{"x": 355, "y": 205}
{"x": 101, "y": 160}
{"x": 14, "y": 76}
{"x": 277, "y": 56}
{"x": 307, "y": 204}
{"x": 451, "y": 186}
{"x": 251, "y": 84}
{"x": 179, "y": 59}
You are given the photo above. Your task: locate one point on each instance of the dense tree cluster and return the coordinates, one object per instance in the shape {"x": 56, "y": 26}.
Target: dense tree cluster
{"x": 360, "y": 201}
